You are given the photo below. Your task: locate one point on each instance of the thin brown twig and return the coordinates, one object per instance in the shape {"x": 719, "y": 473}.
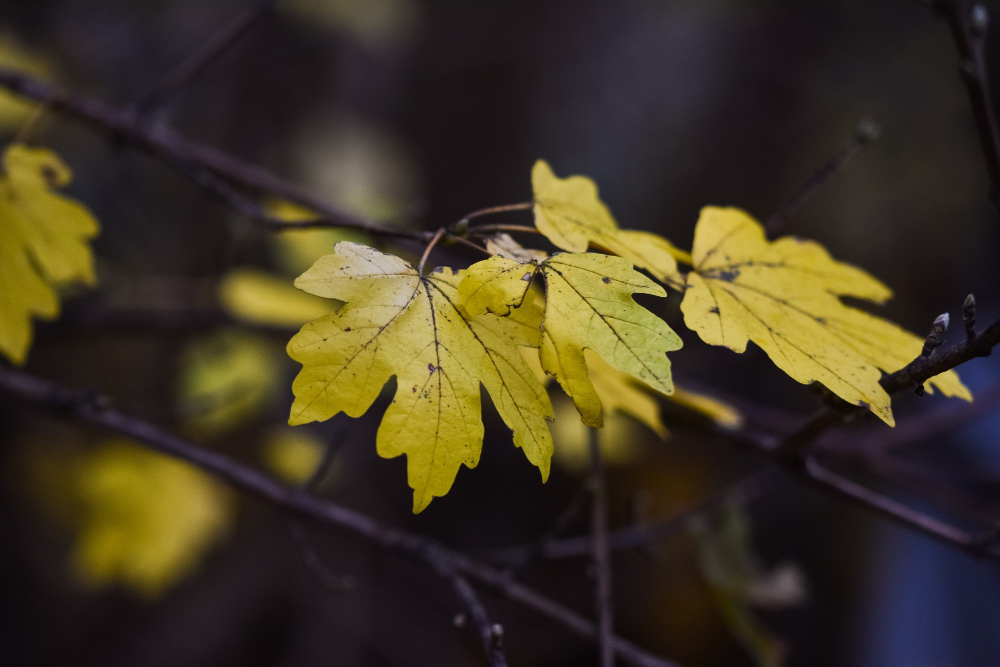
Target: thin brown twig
{"x": 202, "y": 58}
{"x": 968, "y": 25}
{"x": 484, "y": 230}
{"x": 644, "y": 535}
{"x": 297, "y": 502}
{"x": 520, "y": 557}
{"x": 491, "y": 210}
{"x": 604, "y": 596}
{"x": 430, "y": 246}
{"x": 491, "y": 634}
{"x": 866, "y": 132}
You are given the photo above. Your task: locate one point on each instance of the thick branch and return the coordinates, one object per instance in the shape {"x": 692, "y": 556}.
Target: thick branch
{"x": 297, "y": 502}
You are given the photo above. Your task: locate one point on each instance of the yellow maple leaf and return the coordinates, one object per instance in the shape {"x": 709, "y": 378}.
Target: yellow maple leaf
{"x": 256, "y": 296}
{"x": 43, "y": 244}
{"x": 570, "y": 214}
{"x": 783, "y": 295}
{"x": 146, "y": 520}
{"x": 397, "y": 322}
{"x": 588, "y": 305}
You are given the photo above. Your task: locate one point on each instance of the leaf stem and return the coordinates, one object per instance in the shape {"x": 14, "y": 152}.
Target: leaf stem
{"x": 430, "y": 246}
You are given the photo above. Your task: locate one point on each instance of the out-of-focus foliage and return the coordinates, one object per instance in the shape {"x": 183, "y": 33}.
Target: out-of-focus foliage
{"x": 397, "y": 322}
{"x": 145, "y": 520}
{"x": 16, "y": 55}
{"x": 738, "y": 582}
{"x": 378, "y": 24}
{"x": 259, "y": 297}
{"x": 783, "y": 295}
{"x": 293, "y": 454}
{"x": 224, "y": 379}
{"x": 297, "y": 249}
{"x": 44, "y": 243}
{"x": 360, "y": 165}
{"x": 588, "y": 305}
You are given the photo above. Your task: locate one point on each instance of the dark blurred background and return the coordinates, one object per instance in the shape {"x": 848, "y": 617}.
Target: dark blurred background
{"x": 416, "y": 113}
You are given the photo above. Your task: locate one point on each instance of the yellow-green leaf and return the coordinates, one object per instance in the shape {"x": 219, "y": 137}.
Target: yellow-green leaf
{"x": 784, "y": 297}
{"x": 225, "y": 379}
{"x": 396, "y": 322}
{"x": 570, "y": 213}
{"x": 16, "y": 55}
{"x": 146, "y": 520}
{"x": 259, "y": 297}
{"x": 44, "y": 243}
{"x": 739, "y": 582}
{"x": 588, "y": 305}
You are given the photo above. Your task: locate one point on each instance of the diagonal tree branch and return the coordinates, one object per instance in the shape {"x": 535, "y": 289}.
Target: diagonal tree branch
{"x": 297, "y": 502}
{"x": 866, "y": 133}
{"x": 203, "y": 58}
{"x": 185, "y": 155}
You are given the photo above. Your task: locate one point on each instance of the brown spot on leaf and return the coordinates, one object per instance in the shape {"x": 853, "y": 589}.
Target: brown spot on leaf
{"x": 606, "y": 280}
{"x": 431, "y": 368}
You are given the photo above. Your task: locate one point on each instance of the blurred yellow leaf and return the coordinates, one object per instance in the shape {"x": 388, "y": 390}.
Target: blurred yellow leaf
{"x": 588, "y": 305}
{"x": 293, "y": 454}
{"x": 621, "y": 439}
{"x": 146, "y": 520}
{"x": 225, "y": 379}
{"x": 44, "y": 243}
{"x": 783, "y": 295}
{"x": 259, "y": 297}
{"x": 570, "y": 213}
{"x": 718, "y": 411}
{"x": 621, "y": 392}
{"x": 15, "y": 55}
{"x": 297, "y": 249}
{"x": 397, "y": 322}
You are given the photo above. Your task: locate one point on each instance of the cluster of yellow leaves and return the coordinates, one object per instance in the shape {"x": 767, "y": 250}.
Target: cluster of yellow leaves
{"x": 783, "y": 295}
{"x": 145, "y": 519}
{"x": 442, "y": 335}
{"x": 588, "y": 305}
{"x": 44, "y": 244}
